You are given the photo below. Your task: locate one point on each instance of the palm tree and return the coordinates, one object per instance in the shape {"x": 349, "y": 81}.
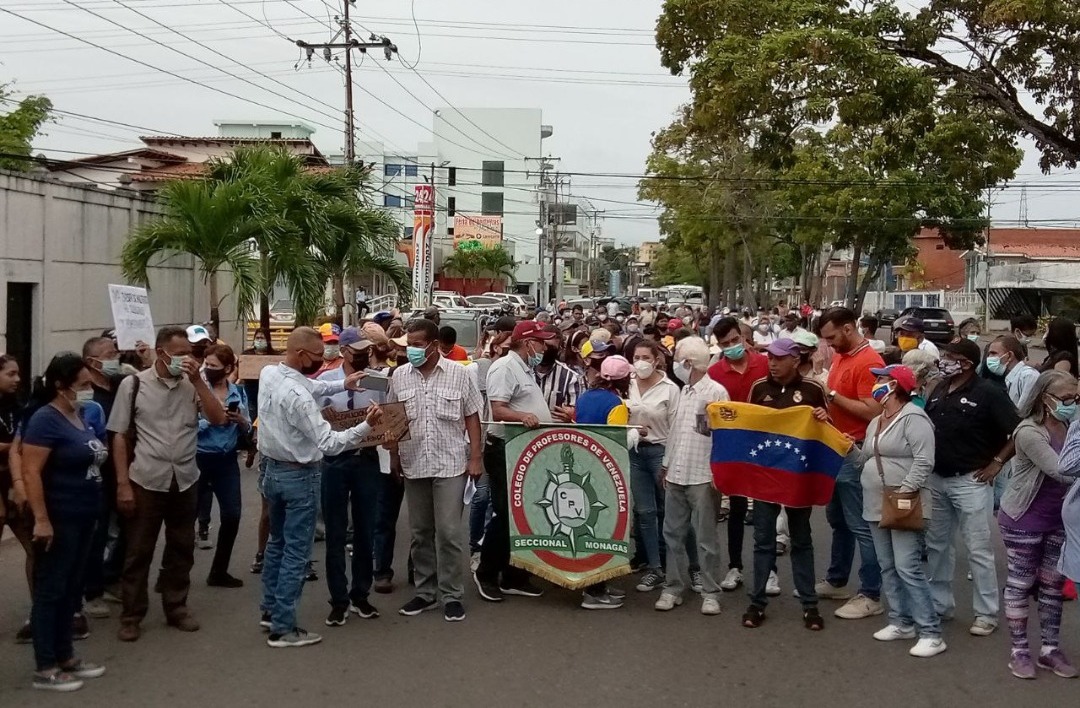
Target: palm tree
{"x": 468, "y": 264}
{"x": 497, "y": 263}
{"x": 211, "y": 222}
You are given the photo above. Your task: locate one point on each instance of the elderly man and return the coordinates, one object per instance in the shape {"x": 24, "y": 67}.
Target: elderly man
{"x": 910, "y": 335}
{"x": 155, "y": 419}
{"x": 293, "y": 438}
{"x": 443, "y": 404}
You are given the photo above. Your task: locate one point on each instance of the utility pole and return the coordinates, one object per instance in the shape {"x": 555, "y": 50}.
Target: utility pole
{"x": 986, "y": 307}
{"x": 542, "y": 224}
{"x": 349, "y": 43}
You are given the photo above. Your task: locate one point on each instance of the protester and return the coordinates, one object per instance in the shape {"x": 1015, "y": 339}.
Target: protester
{"x": 443, "y": 405}
{"x": 790, "y": 326}
{"x": 973, "y": 419}
{"x": 331, "y": 336}
{"x": 1032, "y": 527}
{"x": 652, "y": 401}
{"x": 851, "y": 407}
{"x": 690, "y": 498}
{"x": 1069, "y": 468}
{"x": 868, "y": 327}
{"x": 62, "y": 455}
{"x": 448, "y": 345}
{"x": 1061, "y": 346}
{"x": 262, "y": 344}
{"x": 559, "y": 383}
{"x": 910, "y": 334}
{"x": 293, "y": 438}
{"x": 200, "y": 338}
{"x": 1023, "y": 327}
{"x": 154, "y": 424}
{"x": 783, "y": 387}
{"x": 1005, "y": 357}
{"x": 899, "y": 454}
{"x": 924, "y": 366}
{"x": 970, "y": 329}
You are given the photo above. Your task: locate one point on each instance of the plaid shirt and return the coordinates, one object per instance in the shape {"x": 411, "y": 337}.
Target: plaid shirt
{"x": 437, "y": 407}
{"x": 561, "y": 386}
{"x": 689, "y": 446}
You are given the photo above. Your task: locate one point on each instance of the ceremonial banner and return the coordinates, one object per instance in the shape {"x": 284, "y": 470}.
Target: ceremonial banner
{"x": 783, "y": 456}
{"x": 569, "y": 498}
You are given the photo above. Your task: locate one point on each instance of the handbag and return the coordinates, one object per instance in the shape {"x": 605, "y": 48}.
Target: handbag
{"x": 900, "y": 511}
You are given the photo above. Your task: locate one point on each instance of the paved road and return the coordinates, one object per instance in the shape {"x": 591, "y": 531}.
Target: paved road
{"x": 524, "y": 653}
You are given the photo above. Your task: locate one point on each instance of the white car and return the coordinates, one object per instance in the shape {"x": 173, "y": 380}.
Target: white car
{"x": 445, "y": 299}
{"x": 521, "y": 305}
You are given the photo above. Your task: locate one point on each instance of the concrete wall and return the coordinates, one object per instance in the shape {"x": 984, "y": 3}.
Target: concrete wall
{"x": 66, "y": 240}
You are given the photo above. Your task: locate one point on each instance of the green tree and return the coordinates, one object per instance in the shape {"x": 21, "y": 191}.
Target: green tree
{"x": 468, "y": 264}
{"x": 19, "y": 126}
{"x": 497, "y": 264}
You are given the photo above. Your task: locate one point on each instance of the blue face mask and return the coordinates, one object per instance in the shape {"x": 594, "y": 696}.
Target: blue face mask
{"x": 417, "y": 355}
{"x": 735, "y": 352}
{"x": 175, "y": 365}
{"x": 1065, "y": 412}
{"x": 973, "y": 337}
{"x": 995, "y": 365}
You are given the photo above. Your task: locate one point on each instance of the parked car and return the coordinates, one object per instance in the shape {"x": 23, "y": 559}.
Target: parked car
{"x": 282, "y": 313}
{"x": 485, "y": 302}
{"x": 587, "y": 304}
{"x": 887, "y": 316}
{"x": 469, "y": 323}
{"x": 937, "y": 323}
{"x": 521, "y": 305}
{"x": 447, "y": 299}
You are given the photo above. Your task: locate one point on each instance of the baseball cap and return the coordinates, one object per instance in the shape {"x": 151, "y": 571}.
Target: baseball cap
{"x": 805, "y": 339}
{"x": 596, "y": 346}
{"x": 374, "y": 333}
{"x": 910, "y": 324}
{"x": 401, "y": 341}
{"x": 674, "y": 324}
{"x": 902, "y": 375}
{"x": 614, "y": 368}
{"x": 198, "y": 333}
{"x": 381, "y": 316}
{"x": 965, "y": 348}
{"x": 330, "y": 333}
{"x": 506, "y": 323}
{"x": 530, "y": 329}
{"x": 355, "y": 339}
{"x": 784, "y": 347}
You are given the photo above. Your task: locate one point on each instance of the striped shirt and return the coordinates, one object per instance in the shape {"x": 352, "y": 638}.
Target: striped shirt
{"x": 561, "y": 386}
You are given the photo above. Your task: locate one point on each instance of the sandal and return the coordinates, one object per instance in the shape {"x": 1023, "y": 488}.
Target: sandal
{"x": 813, "y": 621}
{"x": 753, "y": 617}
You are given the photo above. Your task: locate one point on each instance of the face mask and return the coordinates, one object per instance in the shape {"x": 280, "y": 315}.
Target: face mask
{"x": 632, "y": 328}
{"x": 735, "y": 352}
{"x": 973, "y": 337}
{"x": 260, "y": 345}
{"x": 1021, "y": 337}
{"x": 881, "y": 390}
{"x": 418, "y": 356}
{"x": 949, "y": 368}
{"x": 312, "y": 368}
{"x": 549, "y": 357}
{"x": 682, "y": 371}
{"x": 644, "y": 369}
{"x": 763, "y": 328}
{"x": 995, "y": 365}
{"x": 87, "y": 395}
{"x": 619, "y": 318}
{"x": 686, "y": 320}
{"x": 907, "y": 343}
{"x": 175, "y": 365}
{"x": 331, "y": 351}
{"x": 214, "y": 376}
{"x": 110, "y": 367}
{"x": 1064, "y": 412}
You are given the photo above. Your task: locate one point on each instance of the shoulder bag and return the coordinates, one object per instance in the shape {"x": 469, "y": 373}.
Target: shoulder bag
{"x": 900, "y": 511}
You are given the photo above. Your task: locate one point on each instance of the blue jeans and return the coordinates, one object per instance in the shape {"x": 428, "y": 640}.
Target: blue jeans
{"x": 479, "y": 513}
{"x": 219, "y": 476}
{"x": 904, "y": 581}
{"x": 350, "y": 482}
{"x": 844, "y": 514}
{"x": 291, "y": 492}
{"x": 58, "y": 584}
{"x": 964, "y": 502}
{"x": 648, "y": 497}
{"x": 391, "y": 492}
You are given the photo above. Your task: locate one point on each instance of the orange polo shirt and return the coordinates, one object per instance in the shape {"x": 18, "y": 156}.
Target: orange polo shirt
{"x": 850, "y": 377}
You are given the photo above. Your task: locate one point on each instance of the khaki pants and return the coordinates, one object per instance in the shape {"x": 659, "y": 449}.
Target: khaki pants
{"x": 438, "y": 536}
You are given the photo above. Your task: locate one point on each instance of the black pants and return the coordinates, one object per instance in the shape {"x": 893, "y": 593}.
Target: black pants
{"x": 58, "y": 583}
{"x": 495, "y": 553}
{"x": 736, "y": 531}
{"x": 219, "y": 476}
{"x": 802, "y": 552}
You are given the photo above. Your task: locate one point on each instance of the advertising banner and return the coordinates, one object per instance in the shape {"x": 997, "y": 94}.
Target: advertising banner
{"x": 486, "y": 230}
{"x": 423, "y": 243}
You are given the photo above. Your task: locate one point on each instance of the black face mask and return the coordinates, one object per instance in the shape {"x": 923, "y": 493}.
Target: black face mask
{"x": 361, "y": 361}
{"x": 551, "y": 355}
{"x": 312, "y": 368}
{"x": 215, "y": 376}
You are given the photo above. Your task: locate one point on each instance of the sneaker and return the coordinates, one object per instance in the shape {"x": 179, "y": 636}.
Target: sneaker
{"x": 523, "y": 589}
{"x": 668, "y": 601}
{"x": 84, "y": 670}
{"x": 732, "y": 580}
{"x": 112, "y": 598}
{"x": 753, "y": 617}
{"x": 265, "y": 621}
{"x": 97, "y": 608}
{"x": 828, "y": 591}
{"x": 772, "y": 585}
{"x": 417, "y": 605}
{"x": 650, "y": 581}
{"x": 927, "y": 647}
{"x": 184, "y": 622}
{"x": 982, "y": 627}
{"x": 364, "y": 609}
{"x": 695, "y": 581}
{"x": 25, "y": 635}
{"x": 859, "y": 607}
{"x": 1021, "y": 665}
{"x": 488, "y": 590}
{"x": 311, "y": 577}
{"x": 337, "y": 618}
{"x": 129, "y": 632}
{"x": 296, "y": 638}
{"x": 894, "y": 632}
{"x": 1056, "y": 661}
{"x": 202, "y": 540}
{"x": 474, "y": 561}
{"x": 454, "y": 611}
{"x": 57, "y": 680}
{"x": 383, "y": 586}
{"x": 710, "y": 606}
{"x": 224, "y": 581}
{"x": 320, "y": 532}
{"x": 257, "y": 564}
{"x": 80, "y": 628}
{"x": 638, "y": 566}
{"x": 602, "y": 601}
{"x": 617, "y": 593}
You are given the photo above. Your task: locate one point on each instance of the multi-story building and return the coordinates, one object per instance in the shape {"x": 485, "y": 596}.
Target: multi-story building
{"x": 647, "y": 252}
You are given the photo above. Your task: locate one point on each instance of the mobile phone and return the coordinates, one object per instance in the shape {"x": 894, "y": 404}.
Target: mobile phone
{"x": 234, "y": 406}
{"x": 375, "y": 382}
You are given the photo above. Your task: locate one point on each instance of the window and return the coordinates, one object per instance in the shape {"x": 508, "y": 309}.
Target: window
{"x": 450, "y": 231}
{"x": 391, "y": 170}
{"x": 408, "y": 232}
{"x": 451, "y": 206}
{"x": 275, "y": 135}
{"x": 491, "y": 203}
{"x": 451, "y": 176}
{"x": 391, "y": 200}
{"x": 410, "y": 202}
{"x": 410, "y": 170}
{"x": 493, "y": 174}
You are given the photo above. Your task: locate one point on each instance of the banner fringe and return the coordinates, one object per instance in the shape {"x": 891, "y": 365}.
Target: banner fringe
{"x": 552, "y": 576}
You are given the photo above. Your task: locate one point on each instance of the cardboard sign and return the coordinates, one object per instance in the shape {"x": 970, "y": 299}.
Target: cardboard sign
{"x": 131, "y": 316}
{"x": 251, "y": 365}
{"x": 394, "y": 425}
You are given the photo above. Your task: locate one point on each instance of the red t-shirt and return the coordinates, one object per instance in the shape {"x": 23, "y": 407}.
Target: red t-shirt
{"x": 850, "y": 377}
{"x": 738, "y": 385}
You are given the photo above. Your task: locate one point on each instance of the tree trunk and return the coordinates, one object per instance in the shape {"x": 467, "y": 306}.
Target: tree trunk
{"x": 264, "y": 297}
{"x": 716, "y": 262}
{"x": 215, "y": 310}
{"x": 338, "y": 284}
{"x": 851, "y": 291}
{"x": 729, "y": 279}
{"x": 748, "y": 296}
{"x": 763, "y": 289}
{"x": 873, "y": 270}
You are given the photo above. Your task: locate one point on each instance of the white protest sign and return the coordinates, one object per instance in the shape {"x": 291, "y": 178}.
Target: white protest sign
{"x": 131, "y": 316}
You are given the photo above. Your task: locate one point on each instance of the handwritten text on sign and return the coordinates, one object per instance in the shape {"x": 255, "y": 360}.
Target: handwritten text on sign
{"x": 393, "y": 426}
{"x": 131, "y": 316}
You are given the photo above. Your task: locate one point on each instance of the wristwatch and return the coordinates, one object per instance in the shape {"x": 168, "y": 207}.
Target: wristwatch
{"x": 832, "y": 395}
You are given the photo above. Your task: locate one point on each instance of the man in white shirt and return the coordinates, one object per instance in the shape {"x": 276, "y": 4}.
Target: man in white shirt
{"x": 443, "y": 404}
{"x": 361, "y": 303}
{"x": 790, "y": 326}
{"x": 909, "y": 335}
{"x": 293, "y": 437}
{"x": 1005, "y": 357}
{"x": 690, "y": 497}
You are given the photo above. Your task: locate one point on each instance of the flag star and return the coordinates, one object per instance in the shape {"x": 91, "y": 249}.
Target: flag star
{"x": 753, "y": 453}
{"x": 796, "y": 451}
{"x": 803, "y": 458}
{"x": 768, "y": 443}
{"x": 760, "y": 446}
{"x": 787, "y": 445}
{"x": 778, "y": 442}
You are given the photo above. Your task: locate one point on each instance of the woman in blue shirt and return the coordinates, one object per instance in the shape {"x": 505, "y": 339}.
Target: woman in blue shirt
{"x": 219, "y": 469}
{"x": 62, "y": 454}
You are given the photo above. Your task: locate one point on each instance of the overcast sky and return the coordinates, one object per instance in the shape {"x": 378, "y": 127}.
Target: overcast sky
{"x": 590, "y": 65}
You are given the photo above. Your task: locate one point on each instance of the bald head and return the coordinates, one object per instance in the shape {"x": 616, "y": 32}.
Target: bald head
{"x": 304, "y": 350}
{"x": 304, "y": 338}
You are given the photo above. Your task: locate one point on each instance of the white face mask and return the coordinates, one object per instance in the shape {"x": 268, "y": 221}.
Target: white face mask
{"x": 682, "y": 371}
{"x": 644, "y": 369}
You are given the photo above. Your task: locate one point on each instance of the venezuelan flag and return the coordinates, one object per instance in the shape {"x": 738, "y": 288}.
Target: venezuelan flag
{"x": 783, "y": 456}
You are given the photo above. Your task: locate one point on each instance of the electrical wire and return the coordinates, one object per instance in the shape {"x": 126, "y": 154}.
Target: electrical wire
{"x": 419, "y": 40}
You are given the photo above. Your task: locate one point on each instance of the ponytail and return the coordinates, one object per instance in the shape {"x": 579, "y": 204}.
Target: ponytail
{"x": 61, "y": 372}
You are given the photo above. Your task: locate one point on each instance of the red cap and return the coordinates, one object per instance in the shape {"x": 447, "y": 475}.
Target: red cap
{"x": 674, "y": 324}
{"x": 530, "y": 329}
{"x": 902, "y": 375}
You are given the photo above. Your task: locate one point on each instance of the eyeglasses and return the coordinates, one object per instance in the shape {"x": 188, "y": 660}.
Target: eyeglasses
{"x": 313, "y": 355}
{"x": 1067, "y": 401}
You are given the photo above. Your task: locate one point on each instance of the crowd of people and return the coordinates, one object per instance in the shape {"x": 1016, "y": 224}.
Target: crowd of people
{"x": 111, "y": 446}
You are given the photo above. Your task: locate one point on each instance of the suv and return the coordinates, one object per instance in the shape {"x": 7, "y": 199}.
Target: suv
{"x": 937, "y": 322}
{"x": 468, "y": 323}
